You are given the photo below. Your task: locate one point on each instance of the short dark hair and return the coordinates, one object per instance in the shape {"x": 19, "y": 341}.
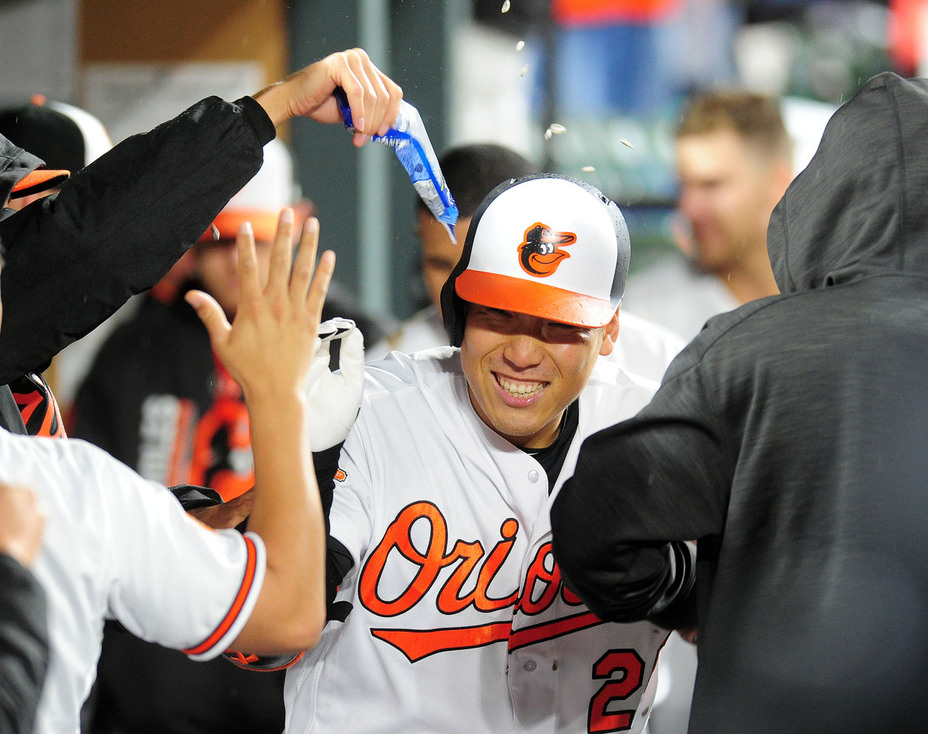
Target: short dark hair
{"x": 756, "y": 118}
{"x": 472, "y": 171}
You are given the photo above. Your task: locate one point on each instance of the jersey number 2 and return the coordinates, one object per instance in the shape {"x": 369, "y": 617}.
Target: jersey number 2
{"x": 602, "y": 718}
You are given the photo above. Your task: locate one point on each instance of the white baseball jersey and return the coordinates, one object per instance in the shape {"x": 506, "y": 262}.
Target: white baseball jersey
{"x": 118, "y": 546}
{"x": 643, "y": 347}
{"x": 460, "y": 622}
{"x": 679, "y": 297}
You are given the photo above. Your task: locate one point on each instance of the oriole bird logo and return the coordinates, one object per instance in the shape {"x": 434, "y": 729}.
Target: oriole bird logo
{"x": 539, "y": 252}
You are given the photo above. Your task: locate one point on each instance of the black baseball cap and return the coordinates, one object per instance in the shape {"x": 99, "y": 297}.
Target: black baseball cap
{"x": 46, "y": 133}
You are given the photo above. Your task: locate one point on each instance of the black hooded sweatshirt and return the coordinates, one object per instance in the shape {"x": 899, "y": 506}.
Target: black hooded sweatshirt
{"x": 788, "y": 439}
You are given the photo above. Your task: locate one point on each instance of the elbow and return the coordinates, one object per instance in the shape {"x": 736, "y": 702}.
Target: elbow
{"x": 301, "y": 628}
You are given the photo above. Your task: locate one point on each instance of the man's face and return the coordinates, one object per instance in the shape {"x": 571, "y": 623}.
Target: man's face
{"x": 522, "y": 371}
{"x": 439, "y": 253}
{"x": 217, "y": 269}
{"x": 727, "y": 195}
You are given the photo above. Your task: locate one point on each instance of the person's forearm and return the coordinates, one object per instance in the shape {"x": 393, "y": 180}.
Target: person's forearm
{"x": 288, "y": 516}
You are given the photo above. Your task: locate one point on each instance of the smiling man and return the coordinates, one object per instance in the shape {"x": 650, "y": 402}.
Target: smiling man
{"x": 450, "y": 615}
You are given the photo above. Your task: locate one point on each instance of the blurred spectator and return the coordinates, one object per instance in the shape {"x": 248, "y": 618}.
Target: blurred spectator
{"x": 734, "y": 162}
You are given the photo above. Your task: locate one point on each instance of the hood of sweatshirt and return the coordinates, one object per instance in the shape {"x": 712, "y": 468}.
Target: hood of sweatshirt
{"x": 860, "y": 208}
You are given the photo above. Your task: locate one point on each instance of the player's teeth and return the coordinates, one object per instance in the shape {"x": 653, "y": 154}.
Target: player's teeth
{"x": 520, "y": 389}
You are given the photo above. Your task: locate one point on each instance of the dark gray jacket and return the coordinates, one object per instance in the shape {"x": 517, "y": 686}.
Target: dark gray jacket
{"x": 23, "y": 646}
{"x": 788, "y": 439}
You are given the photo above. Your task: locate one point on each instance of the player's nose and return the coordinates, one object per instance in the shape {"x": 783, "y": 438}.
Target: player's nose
{"x": 523, "y": 349}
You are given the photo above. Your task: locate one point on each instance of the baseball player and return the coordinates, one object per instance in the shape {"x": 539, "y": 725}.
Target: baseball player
{"x": 450, "y": 614}
{"x": 119, "y": 546}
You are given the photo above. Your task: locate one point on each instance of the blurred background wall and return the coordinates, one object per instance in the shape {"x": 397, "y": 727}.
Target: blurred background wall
{"x": 611, "y": 73}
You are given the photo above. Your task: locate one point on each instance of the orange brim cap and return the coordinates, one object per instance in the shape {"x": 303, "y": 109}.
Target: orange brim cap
{"x": 41, "y": 179}
{"x": 534, "y": 299}
{"x": 227, "y": 223}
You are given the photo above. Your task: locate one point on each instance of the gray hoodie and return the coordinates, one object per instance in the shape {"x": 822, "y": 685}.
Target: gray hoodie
{"x": 788, "y": 440}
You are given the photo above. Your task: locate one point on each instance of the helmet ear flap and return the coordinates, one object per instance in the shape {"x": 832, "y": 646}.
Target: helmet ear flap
{"x": 454, "y": 311}
{"x": 453, "y": 307}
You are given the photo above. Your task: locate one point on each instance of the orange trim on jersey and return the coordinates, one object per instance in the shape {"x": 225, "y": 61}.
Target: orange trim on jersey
{"x": 550, "y": 630}
{"x": 247, "y": 662}
{"x": 239, "y": 601}
{"x": 418, "y": 644}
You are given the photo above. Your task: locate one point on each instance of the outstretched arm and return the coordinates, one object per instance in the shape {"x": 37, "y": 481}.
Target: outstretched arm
{"x": 268, "y": 349}
{"x": 120, "y": 223}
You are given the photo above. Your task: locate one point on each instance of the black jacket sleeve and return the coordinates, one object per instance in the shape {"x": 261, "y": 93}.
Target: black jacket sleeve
{"x": 118, "y": 225}
{"x": 23, "y": 646}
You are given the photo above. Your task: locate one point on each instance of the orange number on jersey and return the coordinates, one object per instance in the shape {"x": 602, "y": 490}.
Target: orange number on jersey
{"x": 631, "y": 667}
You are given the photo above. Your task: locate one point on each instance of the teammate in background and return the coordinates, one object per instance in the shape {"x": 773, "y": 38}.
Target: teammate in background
{"x": 64, "y": 137}
{"x": 447, "y": 613}
{"x": 210, "y": 593}
{"x": 471, "y": 171}
{"x": 788, "y": 438}
{"x": 23, "y": 624}
{"x": 734, "y": 162}
{"x": 158, "y": 399}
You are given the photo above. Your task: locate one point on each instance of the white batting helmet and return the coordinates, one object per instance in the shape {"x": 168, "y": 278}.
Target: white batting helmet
{"x": 545, "y": 245}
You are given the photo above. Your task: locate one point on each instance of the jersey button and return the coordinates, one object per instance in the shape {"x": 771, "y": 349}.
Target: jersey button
{"x": 533, "y": 476}
{"x": 530, "y": 665}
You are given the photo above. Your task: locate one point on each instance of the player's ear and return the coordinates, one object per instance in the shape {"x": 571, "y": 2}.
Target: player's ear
{"x": 610, "y": 335}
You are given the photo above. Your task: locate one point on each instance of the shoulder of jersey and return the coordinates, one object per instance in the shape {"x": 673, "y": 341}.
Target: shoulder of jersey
{"x": 398, "y": 370}
{"x": 608, "y": 376}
